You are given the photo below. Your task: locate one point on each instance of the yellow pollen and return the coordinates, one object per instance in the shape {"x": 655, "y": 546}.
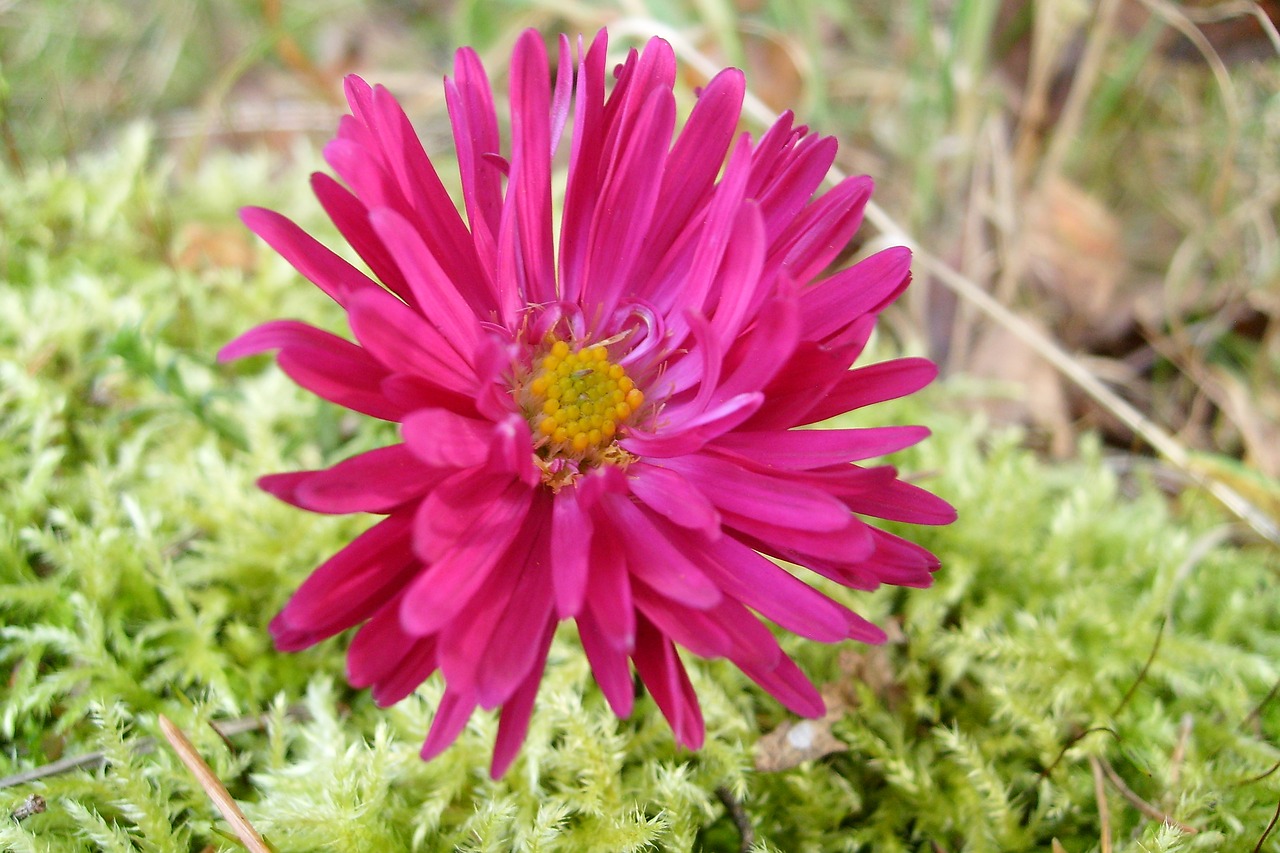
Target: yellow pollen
{"x": 577, "y": 400}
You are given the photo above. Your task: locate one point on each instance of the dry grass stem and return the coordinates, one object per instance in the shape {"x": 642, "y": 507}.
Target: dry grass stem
{"x": 213, "y": 786}
{"x": 1104, "y": 811}
{"x": 1137, "y": 802}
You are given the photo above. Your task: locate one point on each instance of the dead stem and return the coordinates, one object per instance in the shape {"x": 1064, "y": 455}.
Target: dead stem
{"x": 213, "y": 787}
{"x": 1137, "y": 802}
{"x": 1100, "y": 795}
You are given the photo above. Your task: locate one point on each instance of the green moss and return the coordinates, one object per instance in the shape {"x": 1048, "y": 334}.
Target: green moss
{"x": 139, "y": 567}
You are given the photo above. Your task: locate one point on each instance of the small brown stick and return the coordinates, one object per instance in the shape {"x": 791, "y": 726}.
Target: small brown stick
{"x": 740, "y": 818}
{"x": 1180, "y": 750}
{"x": 1258, "y": 847}
{"x": 1100, "y": 794}
{"x": 213, "y": 786}
{"x": 1139, "y": 803}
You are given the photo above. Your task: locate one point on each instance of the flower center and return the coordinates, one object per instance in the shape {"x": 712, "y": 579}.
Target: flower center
{"x": 577, "y": 400}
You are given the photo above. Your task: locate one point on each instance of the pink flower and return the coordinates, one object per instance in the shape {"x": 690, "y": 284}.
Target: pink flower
{"x": 598, "y": 424}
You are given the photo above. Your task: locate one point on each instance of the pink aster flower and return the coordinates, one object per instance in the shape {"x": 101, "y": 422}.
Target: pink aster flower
{"x": 600, "y": 421}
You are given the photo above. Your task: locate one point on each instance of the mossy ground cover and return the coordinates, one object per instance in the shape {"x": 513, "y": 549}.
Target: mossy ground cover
{"x": 1085, "y": 623}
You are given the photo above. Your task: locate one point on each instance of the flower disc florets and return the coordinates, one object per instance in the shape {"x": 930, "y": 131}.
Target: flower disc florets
{"x": 576, "y": 400}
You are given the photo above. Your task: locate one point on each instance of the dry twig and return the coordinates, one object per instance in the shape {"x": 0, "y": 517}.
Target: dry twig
{"x": 213, "y": 786}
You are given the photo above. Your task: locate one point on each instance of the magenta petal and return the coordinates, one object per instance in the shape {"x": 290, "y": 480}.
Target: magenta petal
{"x": 354, "y": 582}
{"x": 660, "y": 669}
{"x": 864, "y": 288}
{"x": 693, "y": 435}
{"x": 402, "y": 340}
{"x": 317, "y": 264}
{"x": 627, "y": 205}
{"x": 773, "y": 592}
{"x": 899, "y": 501}
{"x": 672, "y": 496}
{"x": 376, "y": 481}
{"x": 440, "y": 593}
{"x": 694, "y": 629}
{"x": 513, "y": 648}
{"x": 571, "y": 529}
{"x": 757, "y": 495}
{"x": 350, "y": 380}
{"x": 820, "y": 233}
{"x": 529, "y": 189}
{"x": 513, "y": 725}
{"x": 378, "y": 647}
{"x": 695, "y": 160}
{"x": 451, "y": 718}
{"x": 847, "y": 545}
{"x": 608, "y": 664}
{"x": 435, "y": 294}
{"x": 874, "y": 383}
{"x": 609, "y": 588}
{"x": 653, "y": 559}
{"x": 798, "y": 450}
{"x": 352, "y": 219}
{"x": 786, "y": 683}
{"x": 441, "y": 438}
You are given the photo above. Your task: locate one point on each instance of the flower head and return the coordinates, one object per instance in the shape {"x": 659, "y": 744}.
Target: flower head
{"x": 599, "y": 424}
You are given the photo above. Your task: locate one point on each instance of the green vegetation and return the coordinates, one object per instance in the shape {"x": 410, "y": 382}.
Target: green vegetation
{"x": 1095, "y": 619}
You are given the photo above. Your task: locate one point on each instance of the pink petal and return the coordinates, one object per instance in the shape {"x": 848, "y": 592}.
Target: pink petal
{"x": 403, "y": 341}
{"x": 820, "y": 233}
{"x": 694, "y": 629}
{"x": 691, "y": 436}
{"x": 627, "y": 204}
{"x": 772, "y": 591}
{"x": 660, "y": 669}
{"x": 847, "y": 545}
{"x": 671, "y": 495}
{"x": 608, "y": 664}
{"x": 864, "y": 288}
{"x": 529, "y": 189}
{"x": 513, "y": 647}
{"x": 376, "y": 481}
{"x": 317, "y": 264}
{"x": 349, "y": 586}
{"x": 378, "y": 647}
{"x": 352, "y": 219}
{"x": 582, "y": 186}
{"x": 451, "y": 718}
{"x": 739, "y": 281}
{"x": 571, "y": 529}
{"x": 446, "y": 237}
{"x": 452, "y": 580}
{"x": 899, "y": 501}
{"x": 874, "y": 383}
{"x": 695, "y": 160}
{"x": 609, "y": 588}
{"x": 513, "y": 725}
{"x": 563, "y": 93}
{"x": 441, "y": 438}
{"x": 339, "y": 378}
{"x": 799, "y": 450}
{"x": 326, "y": 365}
{"x": 757, "y": 495}
{"x": 434, "y": 293}
{"x": 653, "y": 559}
{"x": 475, "y": 133}
{"x": 786, "y": 683}
{"x": 788, "y": 193}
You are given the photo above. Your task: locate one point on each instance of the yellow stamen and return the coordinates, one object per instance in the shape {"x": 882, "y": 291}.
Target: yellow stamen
{"x": 578, "y": 400}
